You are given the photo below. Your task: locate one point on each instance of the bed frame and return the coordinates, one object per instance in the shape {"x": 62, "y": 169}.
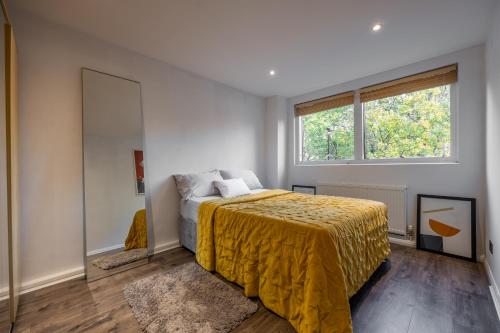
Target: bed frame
{"x": 188, "y": 234}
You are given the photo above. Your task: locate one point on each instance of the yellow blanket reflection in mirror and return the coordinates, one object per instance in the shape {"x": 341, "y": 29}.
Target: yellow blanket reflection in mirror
{"x": 302, "y": 255}
{"x": 138, "y": 233}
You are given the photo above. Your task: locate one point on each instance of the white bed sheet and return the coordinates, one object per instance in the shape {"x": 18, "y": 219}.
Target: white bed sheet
{"x": 189, "y": 208}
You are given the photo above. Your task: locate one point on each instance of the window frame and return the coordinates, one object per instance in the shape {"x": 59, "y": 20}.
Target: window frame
{"x": 359, "y": 141}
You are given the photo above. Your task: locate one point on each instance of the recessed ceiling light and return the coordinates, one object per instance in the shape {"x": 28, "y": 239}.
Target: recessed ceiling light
{"x": 377, "y": 27}
{"x": 272, "y": 72}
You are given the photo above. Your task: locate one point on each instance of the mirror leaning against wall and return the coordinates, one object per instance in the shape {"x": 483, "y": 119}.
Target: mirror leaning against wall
{"x": 114, "y": 191}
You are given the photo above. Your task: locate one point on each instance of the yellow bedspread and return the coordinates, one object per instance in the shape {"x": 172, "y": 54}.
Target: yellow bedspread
{"x": 137, "y": 237}
{"x": 302, "y": 255}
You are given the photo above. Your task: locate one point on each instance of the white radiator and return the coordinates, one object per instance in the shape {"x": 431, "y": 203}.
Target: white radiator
{"x": 393, "y": 196}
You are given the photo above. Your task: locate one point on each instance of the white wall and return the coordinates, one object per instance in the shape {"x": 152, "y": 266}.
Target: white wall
{"x": 276, "y": 149}
{"x": 191, "y": 124}
{"x": 493, "y": 146}
{"x": 463, "y": 179}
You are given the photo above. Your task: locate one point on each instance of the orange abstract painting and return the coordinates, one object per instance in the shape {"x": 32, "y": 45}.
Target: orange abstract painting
{"x": 443, "y": 229}
{"x": 139, "y": 171}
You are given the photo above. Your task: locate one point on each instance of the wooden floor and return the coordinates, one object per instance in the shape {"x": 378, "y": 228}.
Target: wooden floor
{"x": 4, "y": 316}
{"x": 416, "y": 292}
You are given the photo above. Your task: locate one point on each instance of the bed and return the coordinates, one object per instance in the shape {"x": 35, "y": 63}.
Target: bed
{"x": 304, "y": 256}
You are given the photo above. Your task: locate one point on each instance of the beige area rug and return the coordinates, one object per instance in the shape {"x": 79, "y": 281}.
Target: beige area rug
{"x": 120, "y": 258}
{"x": 187, "y": 299}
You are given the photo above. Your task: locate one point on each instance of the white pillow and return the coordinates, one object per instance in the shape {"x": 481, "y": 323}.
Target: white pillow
{"x": 197, "y": 184}
{"x": 232, "y": 187}
{"x": 248, "y": 177}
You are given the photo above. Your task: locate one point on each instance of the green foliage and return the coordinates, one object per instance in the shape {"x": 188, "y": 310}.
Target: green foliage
{"x": 405, "y": 126}
{"x": 315, "y": 135}
{"x": 409, "y": 125}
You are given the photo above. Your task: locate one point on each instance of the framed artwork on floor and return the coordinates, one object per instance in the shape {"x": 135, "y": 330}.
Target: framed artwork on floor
{"x": 307, "y": 189}
{"x": 447, "y": 225}
{"x": 139, "y": 172}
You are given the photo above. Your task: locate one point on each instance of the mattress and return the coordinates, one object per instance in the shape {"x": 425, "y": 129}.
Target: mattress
{"x": 189, "y": 219}
{"x": 189, "y": 208}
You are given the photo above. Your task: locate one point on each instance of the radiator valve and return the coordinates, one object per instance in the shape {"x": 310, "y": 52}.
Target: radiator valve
{"x": 409, "y": 232}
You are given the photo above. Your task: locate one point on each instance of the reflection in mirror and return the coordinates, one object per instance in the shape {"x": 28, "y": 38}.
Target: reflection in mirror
{"x": 115, "y": 214}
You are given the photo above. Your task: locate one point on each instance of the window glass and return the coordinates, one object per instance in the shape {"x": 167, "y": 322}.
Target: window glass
{"x": 328, "y": 135}
{"x": 411, "y": 125}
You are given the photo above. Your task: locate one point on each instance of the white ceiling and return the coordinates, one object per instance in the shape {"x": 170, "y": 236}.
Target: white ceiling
{"x": 311, "y": 43}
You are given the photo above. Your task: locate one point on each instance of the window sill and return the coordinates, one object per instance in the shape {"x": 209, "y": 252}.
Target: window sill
{"x": 374, "y": 163}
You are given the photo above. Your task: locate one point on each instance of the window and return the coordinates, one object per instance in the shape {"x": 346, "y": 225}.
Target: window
{"x": 328, "y": 135}
{"x": 411, "y": 125}
{"x": 327, "y": 128}
{"x": 405, "y": 120}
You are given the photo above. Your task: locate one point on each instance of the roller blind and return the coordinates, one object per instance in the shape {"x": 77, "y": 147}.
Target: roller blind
{"x": 426, "y": 80}
{"x": 324, "y": 104}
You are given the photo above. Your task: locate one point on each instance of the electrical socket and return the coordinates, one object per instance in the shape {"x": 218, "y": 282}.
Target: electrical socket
{"x": 491, "y": 247}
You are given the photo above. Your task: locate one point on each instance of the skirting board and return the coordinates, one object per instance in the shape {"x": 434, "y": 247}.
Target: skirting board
{"x": 166, "y": 246}
{"x": 105, "y": 249}
{"x": 47, "y": 281}
{"x": 495, "y": 292}
{"x": 403, "y": 242}
{"x": 157, "y": 249}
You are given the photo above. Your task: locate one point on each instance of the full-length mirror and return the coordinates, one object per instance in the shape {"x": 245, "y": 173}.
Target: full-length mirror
{"x": 115, "y": 214}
